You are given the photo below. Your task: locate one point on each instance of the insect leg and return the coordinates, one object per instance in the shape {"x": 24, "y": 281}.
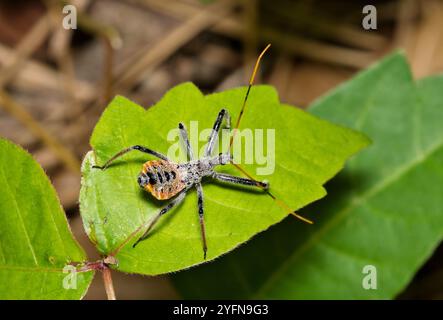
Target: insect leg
{"x": 243, "y": 181}
{"x": 124, "y": 151}
{"x": 177, "y": 200}
{"x": 223, "y": 114}
{"x": 199, "y": 188}
{"x": 184, "y": 135}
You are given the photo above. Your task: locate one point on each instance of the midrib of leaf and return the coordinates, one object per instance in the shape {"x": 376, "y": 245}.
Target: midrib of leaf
{"x": 137, "y": 260}
{"x": 29, "y": 269}
{"x": 22, "y": 224}
{"x": 354, "y": 202}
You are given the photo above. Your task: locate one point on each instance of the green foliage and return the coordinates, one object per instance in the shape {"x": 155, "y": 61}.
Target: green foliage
{"x": 385, "y": 209}
{"x": 309, "y": 151}
{"x": 35, "y": 241}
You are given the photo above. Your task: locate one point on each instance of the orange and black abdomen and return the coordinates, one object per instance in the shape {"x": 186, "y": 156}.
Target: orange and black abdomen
{"x": 161, "y": 178}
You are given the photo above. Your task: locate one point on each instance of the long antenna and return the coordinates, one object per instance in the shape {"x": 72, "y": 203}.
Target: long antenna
{"x": 279, "y": 202}
{"x": 251, "y": 82}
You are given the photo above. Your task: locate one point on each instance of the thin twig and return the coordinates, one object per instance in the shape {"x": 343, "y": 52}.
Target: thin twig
{"x": 31, "y": 42}
{"x": 20, "y": 113}
{"x": 109, "y": 286}
{"x": 60, "y": 49}
{"x": 38, "y": 76}
{"x": 103, "y": 266}
{"x": 233, "y": 27}
{"x": 182, "y": 34}
{"x": 108, "y": 71}
{"x": 97, "y": 28}
{"x": 251, "y": 36}
{"x": 287, "y": 13}
{"x": 319, "y": 51}
{"x": 281, "y": 76}
{"x": 405, "y": 28}
{"x": 130, "y": 71}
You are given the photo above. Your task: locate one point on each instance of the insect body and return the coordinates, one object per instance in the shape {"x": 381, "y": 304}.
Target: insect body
{"x": 165, "y": 179}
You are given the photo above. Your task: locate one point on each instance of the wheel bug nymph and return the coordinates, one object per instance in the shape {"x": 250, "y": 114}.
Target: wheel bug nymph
{"x": 165, "y": 179}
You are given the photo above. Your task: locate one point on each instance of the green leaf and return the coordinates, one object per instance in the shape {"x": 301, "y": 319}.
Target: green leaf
{"x": 309, "y": 151}
{"x": 385, "y": 209}
{"x": 35, "y": 240}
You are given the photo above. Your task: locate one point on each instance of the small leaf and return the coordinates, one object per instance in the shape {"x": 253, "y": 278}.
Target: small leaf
{"x": 309, "y": 151}
{"x": 35, "y": 240}
{"x": 385, "y": 209}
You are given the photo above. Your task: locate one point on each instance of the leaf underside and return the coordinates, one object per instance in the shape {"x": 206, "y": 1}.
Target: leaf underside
{"x": 385, "y": 209}
{"x": 35, "y": 240}
{"x": 309, "y": 151}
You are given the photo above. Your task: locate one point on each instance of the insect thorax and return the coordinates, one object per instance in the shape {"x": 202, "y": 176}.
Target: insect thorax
{"x": 192, "y": 172}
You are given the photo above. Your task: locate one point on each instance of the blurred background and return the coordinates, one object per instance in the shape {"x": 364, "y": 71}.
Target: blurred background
{"x": 55, "y": 83}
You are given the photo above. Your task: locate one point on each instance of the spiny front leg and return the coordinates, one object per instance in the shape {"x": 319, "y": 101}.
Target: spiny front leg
{"x": 124, "y": 151}
{"x": 174, "y": 202}
{"x": 199, "y": 188}
{"x": 243, "y": 181}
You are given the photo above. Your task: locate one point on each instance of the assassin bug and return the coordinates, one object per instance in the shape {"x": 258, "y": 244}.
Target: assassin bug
{"x": 165, "y": 179}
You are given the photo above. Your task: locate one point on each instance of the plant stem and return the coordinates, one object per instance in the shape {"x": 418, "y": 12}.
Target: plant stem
{"x": 109, "y": 287}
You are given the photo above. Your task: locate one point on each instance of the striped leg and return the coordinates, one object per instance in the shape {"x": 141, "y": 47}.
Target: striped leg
{"x": 184, "y": 135}
{"x": 223, "y": 114}
{"x": 174, "y": 202}
{"x": 199, "y": 188}
{"x": 243, "y": 181}
{"x": 124, "y": 151}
